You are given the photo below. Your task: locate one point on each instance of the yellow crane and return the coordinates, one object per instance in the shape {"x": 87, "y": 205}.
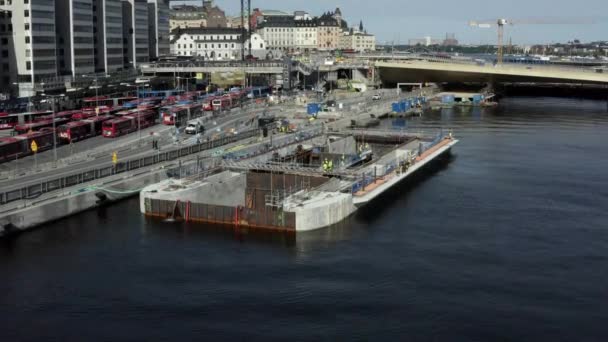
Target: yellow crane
{"x": 501, "y": 23}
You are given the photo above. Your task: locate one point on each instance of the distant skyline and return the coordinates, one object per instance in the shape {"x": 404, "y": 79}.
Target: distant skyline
{"x": 399, "y": 21}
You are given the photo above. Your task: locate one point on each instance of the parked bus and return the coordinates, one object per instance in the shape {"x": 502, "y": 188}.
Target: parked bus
{"x": 258, "y": 92}
{"x": 181, "y": 114}
{"x": 224, "y": 102}
{"x": 99, "y": 101}
{"x": 80, "y": 130}
{"x": 19, "y": 146}
{"x": 37, "y": 126}
{"x": 128, "y": 123}
{"x": 208, "y": 103}
{"x": 68, "y": 114}
{"x": 95, "y": 112}
{"x": 148, "y": 101}
{"x": 9, "y": 121}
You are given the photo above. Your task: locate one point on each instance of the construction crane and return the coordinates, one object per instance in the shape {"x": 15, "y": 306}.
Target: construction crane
{"x": 501, "y": 23}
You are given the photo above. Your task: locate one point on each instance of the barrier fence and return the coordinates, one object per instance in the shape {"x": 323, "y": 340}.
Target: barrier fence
{"x": 35, "y": 189}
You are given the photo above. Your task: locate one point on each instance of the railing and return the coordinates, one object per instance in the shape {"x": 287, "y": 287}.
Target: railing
{"x": 488, "y": 65}
{"x": 37, "y": 188}
{"x": 210, "y": 64}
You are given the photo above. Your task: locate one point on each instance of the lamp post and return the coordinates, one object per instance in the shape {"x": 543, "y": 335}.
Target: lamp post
{"x": 53, "y": 99}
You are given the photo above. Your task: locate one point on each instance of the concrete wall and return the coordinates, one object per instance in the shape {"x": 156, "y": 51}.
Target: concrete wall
{"x": 347, "y": 146}
{"x": 323, "y": 210}
{"x": 43, "y": 211}
{"x": 224, "y": 189}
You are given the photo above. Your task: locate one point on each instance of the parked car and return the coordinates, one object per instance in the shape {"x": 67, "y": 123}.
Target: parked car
{"x": 376, "y": 97}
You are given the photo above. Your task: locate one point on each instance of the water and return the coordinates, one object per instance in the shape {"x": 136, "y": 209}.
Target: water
{"x": 505, "y": 241}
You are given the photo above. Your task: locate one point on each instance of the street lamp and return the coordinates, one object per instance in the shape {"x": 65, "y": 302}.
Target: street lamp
{"x": 95, "y": 79}
{"x": 53, "y": 97}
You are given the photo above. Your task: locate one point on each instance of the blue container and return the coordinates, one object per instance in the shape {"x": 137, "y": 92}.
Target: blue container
{"x": 477, "y": 98}
{"x": 395, "y": 107}
{"x": 402, "y": 106}
{"x": 447, "y": 98}
{"x": 313, "y": 108}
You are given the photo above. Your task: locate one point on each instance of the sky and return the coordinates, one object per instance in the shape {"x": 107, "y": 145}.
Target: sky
{"x": 400, "y": 20}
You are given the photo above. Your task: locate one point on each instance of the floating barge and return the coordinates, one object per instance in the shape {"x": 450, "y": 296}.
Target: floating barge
{"x": 297, "y": 190}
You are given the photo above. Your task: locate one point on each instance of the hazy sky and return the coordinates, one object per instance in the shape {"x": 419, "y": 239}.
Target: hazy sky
{"x": 400, "y": 20}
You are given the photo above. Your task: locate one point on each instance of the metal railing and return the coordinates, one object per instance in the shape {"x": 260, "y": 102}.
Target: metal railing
{"x": 37, "y": 188}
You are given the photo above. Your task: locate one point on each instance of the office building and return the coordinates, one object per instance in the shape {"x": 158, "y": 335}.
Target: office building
{"x": 108, "y": 36}
{"x": 33, "y": 57}
{"x": 75, "y": 45}
{"x": 135, "y": 32}
{"x": 158, "y": 28}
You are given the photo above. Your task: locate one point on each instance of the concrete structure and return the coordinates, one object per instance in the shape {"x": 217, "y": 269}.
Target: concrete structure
{"x": 447, "y": 71}
{"x": 34, "y": 44}
{"x": 215, "y": 43}
{"x": 225, "y": 188}
{"x": 158, "y": 28}
{"x": 266, "y": 194}
{"x": 108, "y": 36}
{"x": 76, "y": 47}
{"x": 357, "y": 41}
{"x": 135, "y": 32}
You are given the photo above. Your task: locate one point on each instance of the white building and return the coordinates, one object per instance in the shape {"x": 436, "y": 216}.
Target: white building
{"x": 305, "y": 34}
{"x": 279, "y": 32}
{"x": 215, "y": 44}
{"x": 357, "y": 41}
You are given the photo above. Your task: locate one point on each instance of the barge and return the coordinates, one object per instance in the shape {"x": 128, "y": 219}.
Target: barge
{"x": 313, "y": 185}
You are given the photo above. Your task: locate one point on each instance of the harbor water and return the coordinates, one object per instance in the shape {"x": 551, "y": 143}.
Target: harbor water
{"x": 506, "y": 240}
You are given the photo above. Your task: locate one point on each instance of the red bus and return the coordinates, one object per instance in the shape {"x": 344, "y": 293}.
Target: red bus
{"x": 79, "y": 130}
{"x": 224, "y": 102}
{"x": 128, "y": 123}
{"x": 91, "y": 112}
{"x": 37, "y": 126}
{"x": 208, "y": 103}
{"x": 20, "y": 146}
{"x": 146, "y": 118}
{"x": 106, "y": 101}
{"x": 181, "y": 114}
{"x": 68, "y": 114}
{"x": 117, "y": 127}
{"x": 9, "y": 121}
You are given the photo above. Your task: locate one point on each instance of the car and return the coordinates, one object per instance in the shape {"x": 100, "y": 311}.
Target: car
{"x": 192, "y": 129}
{"x": 376, "y": 97}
